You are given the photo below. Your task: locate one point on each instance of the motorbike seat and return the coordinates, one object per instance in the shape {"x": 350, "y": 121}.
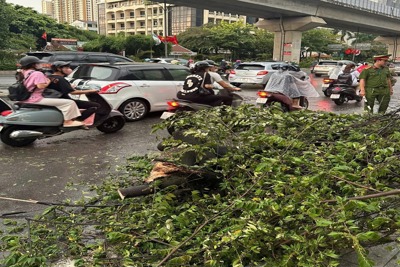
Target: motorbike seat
{"x": 19, "y": 105}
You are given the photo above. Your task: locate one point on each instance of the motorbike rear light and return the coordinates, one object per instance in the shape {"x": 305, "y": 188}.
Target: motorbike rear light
{"x": 232, "y": 72}
{"x": 327, "y": 80}
{"x": 173, "y": 104}
{"x": 337, "y": 89}
{"x": 263, "y": 72}
{"x": 113, "y": 88}
{"x": 263, "y": 94}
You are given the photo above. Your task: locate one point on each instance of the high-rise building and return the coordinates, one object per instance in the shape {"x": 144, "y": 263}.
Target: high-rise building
{"x": 146, "y": 17}
{"x": 71, "y": 10}
{"x": 133, "y": 16}
{"x": 47, "y": 8}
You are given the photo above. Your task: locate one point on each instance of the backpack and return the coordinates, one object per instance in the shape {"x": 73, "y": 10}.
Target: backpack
{"x": 194, "y": 83}
{"x": 18, "y": 91}
{"x": 345, "y": 78}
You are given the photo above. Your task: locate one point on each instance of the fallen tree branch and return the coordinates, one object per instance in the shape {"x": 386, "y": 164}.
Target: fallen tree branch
{"x": 356, "y": 184}
{"x": 383, "y": 194}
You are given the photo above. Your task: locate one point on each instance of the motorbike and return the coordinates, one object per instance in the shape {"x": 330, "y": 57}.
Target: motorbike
{"x": 267, "y": 99}
{"x": 24, "y": 123}
{"x": 342, "y": 93}
{"x": 178, "y": 105}
{"x": 327, "y": 86}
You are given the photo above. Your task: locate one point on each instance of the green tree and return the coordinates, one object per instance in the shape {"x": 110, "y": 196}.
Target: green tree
{"x": 5, "y": 17}
{"x": 318, "y": 39}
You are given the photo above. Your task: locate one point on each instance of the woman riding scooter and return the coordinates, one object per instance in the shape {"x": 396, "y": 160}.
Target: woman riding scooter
{"x": 58, "y": 82}
{"x": 285, "y": 83}
{"x": 36, "y": 82}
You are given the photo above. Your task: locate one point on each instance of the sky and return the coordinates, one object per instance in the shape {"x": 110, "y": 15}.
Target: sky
{"x": 35, "y": 4}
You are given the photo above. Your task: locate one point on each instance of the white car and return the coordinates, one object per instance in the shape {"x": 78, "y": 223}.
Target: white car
{"x": 135, "y": 89}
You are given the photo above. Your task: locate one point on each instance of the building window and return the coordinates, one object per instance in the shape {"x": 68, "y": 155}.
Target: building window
{"x": 142, "y": 13}
{"x": 121, "y": 16}
{"x": 132, "y": 25}
{"x": 112, "y": 16}
{"x": 142, "y": 24}
{"x": 132, "y": 14}
{"x": 122, "y": 25}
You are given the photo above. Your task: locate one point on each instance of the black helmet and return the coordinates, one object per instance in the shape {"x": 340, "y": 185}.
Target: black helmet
{"x": 60, "y": 64}
{"x": 211, "y": 62}
{"x": 28, "y": 60}
{"x": 202, "y": 64}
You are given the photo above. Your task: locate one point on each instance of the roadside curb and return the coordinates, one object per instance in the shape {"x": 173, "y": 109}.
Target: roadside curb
{"x": 7, "y": 72}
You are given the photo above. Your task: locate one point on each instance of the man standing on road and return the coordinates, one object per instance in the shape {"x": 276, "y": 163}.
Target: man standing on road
{"x": 375, "y": 84}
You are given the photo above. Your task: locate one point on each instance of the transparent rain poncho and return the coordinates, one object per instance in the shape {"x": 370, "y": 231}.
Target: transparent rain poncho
{"x": 285, "y": 83}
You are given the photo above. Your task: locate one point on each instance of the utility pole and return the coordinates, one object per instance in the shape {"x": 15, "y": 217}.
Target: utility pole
{"x": 165, "y": 28}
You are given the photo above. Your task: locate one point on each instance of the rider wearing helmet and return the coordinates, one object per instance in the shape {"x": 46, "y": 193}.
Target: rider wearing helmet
{"x": 36, "y": 82}
{"x": 215, "y": 77}
{"x": 198, "y": 87}
{"x": 58, "y": 82}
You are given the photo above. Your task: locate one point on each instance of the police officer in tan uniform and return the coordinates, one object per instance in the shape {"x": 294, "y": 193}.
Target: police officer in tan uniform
{"x": 375, "y": 83}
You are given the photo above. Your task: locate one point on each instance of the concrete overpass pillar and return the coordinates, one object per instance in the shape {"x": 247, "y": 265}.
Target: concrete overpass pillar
{"x": 393, "y": 43}
{"x": 288, "y": 32}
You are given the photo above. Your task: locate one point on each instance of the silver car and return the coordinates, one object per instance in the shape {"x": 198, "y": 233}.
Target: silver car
{"x": 253, "y": 72}
{"x": 135, "y": 89}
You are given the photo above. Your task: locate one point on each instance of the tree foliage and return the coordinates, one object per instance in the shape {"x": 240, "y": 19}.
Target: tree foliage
{"x": 22, "y": 27}
{"x": 295, "y": 189}
{"x": 243, "y": 40}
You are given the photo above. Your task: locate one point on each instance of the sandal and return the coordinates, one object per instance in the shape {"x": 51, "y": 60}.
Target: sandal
{"x": 74, "y": 124}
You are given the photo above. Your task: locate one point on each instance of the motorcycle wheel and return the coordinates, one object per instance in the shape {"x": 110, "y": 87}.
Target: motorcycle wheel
{"x": 304, "y": 102}
{"x": 327, "y": 93}
{"x": 6, "y": 139}
{"x": 340, "y": 100}
{"x": 111, "y": 125}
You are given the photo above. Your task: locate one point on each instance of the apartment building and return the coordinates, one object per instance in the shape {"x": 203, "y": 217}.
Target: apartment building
{"x": 146, "y": 17}
{"x": 71, "y": 10}
{"x": 134, "y": 16}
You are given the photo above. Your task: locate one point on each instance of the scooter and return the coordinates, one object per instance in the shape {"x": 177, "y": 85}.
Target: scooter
{"x": 327, "y": 86}
{"x": 342, "y": 93}
{"x": 24, "y": 123}
{"x": 178, "y": 105}
{"x": 268, "y": 99}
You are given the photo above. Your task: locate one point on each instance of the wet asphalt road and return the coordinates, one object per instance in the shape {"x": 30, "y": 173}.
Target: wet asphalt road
{"x": 42, "y": 171}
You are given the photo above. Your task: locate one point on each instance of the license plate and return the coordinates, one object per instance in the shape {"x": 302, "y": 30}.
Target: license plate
{"x": 166, "y": 115}
{"x": 335, "y": 96}
{"x": 325, "y": 86}
{"x": 261, "y": 100}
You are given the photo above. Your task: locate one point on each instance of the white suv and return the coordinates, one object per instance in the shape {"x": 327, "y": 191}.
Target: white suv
{"x": 135, "y": 89}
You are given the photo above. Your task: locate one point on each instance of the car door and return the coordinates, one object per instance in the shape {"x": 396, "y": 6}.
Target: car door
{"x": 154, "y": 86}
{"x": 178, "y": 77}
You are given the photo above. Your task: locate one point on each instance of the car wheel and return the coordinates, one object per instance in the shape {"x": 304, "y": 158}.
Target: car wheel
{"x": 6, "y": 138}
{"x": 112, "y": 125}
{"x": 134, "y": 109}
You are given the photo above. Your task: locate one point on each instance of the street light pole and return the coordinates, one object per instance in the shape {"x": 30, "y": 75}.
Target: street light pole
{"x": 165, "y": 29}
